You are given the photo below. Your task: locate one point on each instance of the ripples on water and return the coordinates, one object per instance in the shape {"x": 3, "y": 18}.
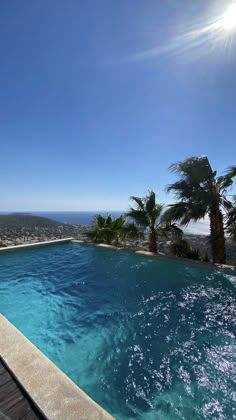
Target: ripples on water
{"x": 146, "y": 339}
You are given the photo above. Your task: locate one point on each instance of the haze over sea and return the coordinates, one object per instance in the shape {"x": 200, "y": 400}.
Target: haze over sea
{"x": 85, "y": 217}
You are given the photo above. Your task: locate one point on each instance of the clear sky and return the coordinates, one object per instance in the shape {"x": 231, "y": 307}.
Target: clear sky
{"x": 99, "y": 97}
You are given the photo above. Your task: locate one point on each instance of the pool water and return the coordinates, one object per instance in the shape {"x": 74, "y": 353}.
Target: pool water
{"x": 145, "y": 338}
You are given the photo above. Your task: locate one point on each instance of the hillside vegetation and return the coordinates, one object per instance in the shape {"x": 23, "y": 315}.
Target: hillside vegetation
{"x": 16, "y": 229}
{"x": 12, "y": 221}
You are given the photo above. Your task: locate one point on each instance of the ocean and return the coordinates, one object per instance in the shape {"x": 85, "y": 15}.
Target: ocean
{"x": 81, "y": 217}
{"x": 85, "y": 217}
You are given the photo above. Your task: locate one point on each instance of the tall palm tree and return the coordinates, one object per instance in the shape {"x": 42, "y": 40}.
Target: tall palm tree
{"x": 146, "y": 214}
{"x": 201, "y": 192}
{"x": 111, "y": 230}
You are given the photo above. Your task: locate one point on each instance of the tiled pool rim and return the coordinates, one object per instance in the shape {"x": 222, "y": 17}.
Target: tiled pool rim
{"x": 54, "y": 394}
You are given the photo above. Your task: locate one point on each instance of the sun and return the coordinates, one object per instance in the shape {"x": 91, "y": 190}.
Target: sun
{"x": 229, "y": 18}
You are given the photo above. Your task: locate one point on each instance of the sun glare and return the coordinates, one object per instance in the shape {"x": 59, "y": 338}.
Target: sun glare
{"x": 229, "y": 18}
{"x": 199, "y": 37}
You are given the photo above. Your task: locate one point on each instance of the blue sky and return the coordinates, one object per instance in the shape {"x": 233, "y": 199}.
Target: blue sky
{"x": 98, "y": 98}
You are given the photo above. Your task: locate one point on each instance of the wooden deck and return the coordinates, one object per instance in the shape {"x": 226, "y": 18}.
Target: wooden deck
{"x": 15, "y": 404}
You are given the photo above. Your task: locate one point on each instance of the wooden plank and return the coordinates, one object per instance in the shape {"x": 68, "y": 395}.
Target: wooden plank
{"x": 7, "y": 389}
{"x": 2, "y": 368}
{"x": 30, "y": 416}
{"x": 11, "y": 400}
{"x": 20, "y": 409}
{"x": 15, "y": 404}
{"x": 4, "y": 378}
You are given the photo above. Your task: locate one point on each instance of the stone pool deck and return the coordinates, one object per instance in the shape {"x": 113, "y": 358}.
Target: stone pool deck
{"x": 53, "y": 394}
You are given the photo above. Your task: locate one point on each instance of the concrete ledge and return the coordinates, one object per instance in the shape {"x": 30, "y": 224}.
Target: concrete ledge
{"x": 226, "y": 267}
{"x": 107, "y": 246}
{"x": 188, "y": 261}
{"x": 55, "y": 395}
{"x": 54, "y": 241}
{"x": 160, "y": 255}
{"x": 146, "y": 253}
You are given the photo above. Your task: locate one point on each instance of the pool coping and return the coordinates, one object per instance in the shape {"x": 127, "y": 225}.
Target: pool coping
{"x": 55, "y": 395}
{"x": 188, "y": 261}
{"x": 33, "y": 244}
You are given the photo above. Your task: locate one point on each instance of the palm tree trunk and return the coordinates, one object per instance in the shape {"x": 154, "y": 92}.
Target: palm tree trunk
{"x": 217, "y": 234}
{"x": 153, "y": 242}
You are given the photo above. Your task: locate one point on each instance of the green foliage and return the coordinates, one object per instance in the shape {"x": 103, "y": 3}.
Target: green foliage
{"x": 194, "y": 254}
{"x": 111, "y": 230}
{"x": 199, "y": 192}
{"x": 205, "y": 257}
{"x": 146, "y": 213}
{"x": 232, "y": 231}
{"x": 182, "y": 248}
{"x": 13, "y": 221}
{"x": 169, "y": 230}
{"x": 197, "y": 189}
{"x": 231, "y": 222}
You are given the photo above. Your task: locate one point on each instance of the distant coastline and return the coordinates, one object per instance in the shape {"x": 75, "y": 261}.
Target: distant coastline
{"x": 85, "y": 217}
{"x": 20, "y": 228}
{"x": 80, "y": 217}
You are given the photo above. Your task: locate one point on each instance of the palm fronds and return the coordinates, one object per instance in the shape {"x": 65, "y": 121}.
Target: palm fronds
{"x": 200, "y": 192}
{"x": 146, "y": 214}
{"x": 111, "y": 230}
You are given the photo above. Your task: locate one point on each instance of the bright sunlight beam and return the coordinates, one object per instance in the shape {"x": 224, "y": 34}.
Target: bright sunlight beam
{"x": 229, "y": 18}
{"x": 199, "y": 39}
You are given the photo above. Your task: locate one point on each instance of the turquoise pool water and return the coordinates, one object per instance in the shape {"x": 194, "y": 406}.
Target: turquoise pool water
{"x": 146, "y": 338}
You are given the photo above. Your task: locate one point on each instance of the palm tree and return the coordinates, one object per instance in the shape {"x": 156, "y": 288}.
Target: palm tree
{"x": 111, "y": 230}
{"x": 169, "y": 230}
{"x": 146, "y": 214}
{"x": 231, "y": 222}
{"x": 201, "y": 192}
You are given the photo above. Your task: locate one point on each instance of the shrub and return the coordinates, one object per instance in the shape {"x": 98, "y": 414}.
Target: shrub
{"x": 182, "y": 248}
{"x": 205, "y": 257}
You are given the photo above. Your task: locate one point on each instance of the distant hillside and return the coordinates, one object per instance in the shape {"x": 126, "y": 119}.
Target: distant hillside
{"x": 18, "y": 228}
{"x": 13, "y": 221}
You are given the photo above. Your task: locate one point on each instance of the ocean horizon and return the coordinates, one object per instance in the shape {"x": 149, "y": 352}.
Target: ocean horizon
{"x": 85, "y": 217}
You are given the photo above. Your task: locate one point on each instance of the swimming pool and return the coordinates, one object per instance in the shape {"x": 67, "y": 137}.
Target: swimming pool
{"x": 145, "y": 338}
